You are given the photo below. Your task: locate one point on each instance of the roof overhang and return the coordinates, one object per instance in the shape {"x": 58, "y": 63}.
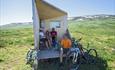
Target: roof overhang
{"x": 48, "y": 11}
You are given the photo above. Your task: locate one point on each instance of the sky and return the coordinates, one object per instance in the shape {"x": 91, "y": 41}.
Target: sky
{"x": 12, "y": 11}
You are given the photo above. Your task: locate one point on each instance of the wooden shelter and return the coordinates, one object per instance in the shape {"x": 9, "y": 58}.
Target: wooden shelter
{"x": 47, "y": 16}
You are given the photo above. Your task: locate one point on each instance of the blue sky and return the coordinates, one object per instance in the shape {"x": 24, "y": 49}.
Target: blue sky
{"x": 12, "y": 11}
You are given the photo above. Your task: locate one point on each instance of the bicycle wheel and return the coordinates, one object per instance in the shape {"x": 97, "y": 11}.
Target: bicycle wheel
{"x": 92, "y": 55}
{"x": 73, "y": 59}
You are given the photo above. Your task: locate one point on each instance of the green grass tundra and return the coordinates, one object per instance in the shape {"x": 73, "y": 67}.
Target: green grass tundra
{"x": 99, "y": 33}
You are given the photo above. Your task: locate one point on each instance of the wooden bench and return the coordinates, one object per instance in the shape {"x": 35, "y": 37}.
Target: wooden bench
{"x": 48, "y": 53}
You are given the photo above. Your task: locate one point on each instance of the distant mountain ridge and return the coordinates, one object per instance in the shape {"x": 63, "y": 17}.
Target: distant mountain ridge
{"x": 91, "y": 17}
{"x": 17, "y": 25}
{"x": 80, "y": 18}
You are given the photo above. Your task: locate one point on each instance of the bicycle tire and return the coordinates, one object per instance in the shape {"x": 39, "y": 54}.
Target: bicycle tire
{"x": 96, "y": 55}
{"x": 92, "y": 57}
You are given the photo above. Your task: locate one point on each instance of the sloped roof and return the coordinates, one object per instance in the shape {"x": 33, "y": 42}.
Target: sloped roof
{"x": 48, "y": 11}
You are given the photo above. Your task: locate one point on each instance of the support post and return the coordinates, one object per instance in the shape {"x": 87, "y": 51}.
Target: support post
{"x": 35, "y": 24}
{"x": 61, "y": 55}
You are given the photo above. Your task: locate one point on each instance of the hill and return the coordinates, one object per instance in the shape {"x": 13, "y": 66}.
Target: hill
{"x": 92, "y": 17}
{"x": 17, "y": 25}
{"x": 79, "y": 18}
{"x": 99, "y": 33}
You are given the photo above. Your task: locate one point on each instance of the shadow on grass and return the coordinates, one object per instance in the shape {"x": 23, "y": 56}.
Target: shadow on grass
{"x": 53, "y": 64}
{"x": 100, "y": 64}
{"x": 1, "y": 60}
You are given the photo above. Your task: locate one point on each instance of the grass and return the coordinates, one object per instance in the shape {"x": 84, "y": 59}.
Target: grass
{"x": 14, "y": 44}
{"x": 99, "y": 33}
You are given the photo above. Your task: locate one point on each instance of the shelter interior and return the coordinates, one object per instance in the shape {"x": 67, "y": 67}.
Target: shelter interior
{"x": 51, "y": 17}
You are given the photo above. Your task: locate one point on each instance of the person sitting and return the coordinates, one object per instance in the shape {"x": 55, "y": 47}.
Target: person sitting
{"x": 78, "y": 45}
{"x": 66, "y": 44}
{"x": 48, "y": 38}
{"x": 43, "y": 38}
{"x": 53, "y": 36}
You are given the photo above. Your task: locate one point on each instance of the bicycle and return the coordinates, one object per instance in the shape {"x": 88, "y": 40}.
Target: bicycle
{"x": 81, "y": 55}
